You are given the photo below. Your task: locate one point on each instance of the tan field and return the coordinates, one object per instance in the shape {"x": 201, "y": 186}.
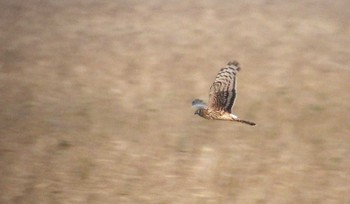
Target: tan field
{"x": 95, "y": 102}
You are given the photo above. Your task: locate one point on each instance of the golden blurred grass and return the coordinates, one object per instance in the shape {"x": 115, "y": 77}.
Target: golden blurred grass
{"x": 95, "y": 102}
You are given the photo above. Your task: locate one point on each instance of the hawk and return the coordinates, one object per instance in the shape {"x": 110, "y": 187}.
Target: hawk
{"x": 222, "y": 96}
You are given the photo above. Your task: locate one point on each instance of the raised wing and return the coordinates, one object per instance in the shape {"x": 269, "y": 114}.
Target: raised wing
{"x": 222, "y": 94}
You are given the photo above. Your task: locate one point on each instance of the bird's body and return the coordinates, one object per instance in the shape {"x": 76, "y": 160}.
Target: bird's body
{"x": 220, "y": 115}
{"x": 222, "y": 96}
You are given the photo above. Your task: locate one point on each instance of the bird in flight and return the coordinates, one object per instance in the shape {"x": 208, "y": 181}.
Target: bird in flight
{"x": 222, "y": 96}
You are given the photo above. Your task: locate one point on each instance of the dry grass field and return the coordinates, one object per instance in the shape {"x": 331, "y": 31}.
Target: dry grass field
{"x": 95, "y": 102}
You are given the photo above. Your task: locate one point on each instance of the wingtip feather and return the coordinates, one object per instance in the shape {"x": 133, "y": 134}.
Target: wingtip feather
{"x": 234, "y": 63}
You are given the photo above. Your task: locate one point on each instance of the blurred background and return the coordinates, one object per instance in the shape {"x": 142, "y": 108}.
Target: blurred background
{"x": 95, "y": 101}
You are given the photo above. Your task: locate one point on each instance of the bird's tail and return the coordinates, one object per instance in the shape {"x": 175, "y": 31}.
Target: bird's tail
{"x": 246, "y": 122}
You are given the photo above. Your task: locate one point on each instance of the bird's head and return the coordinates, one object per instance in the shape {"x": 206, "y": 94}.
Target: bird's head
{"x": 199, "y": 105}
{"x": 199, "y": 111}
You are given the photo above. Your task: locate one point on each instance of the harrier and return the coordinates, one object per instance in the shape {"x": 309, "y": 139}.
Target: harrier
{"x": 222, "y": 96}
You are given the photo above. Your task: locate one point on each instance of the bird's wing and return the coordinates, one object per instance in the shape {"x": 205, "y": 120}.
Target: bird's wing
{"x": 222, "y": 94}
